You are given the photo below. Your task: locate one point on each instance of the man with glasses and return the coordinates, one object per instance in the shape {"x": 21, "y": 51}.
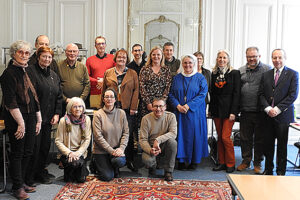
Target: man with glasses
{"x": 97, "y": 65}
{"x": 74, "y": 75}
{"x": 40, "y": 41}
{"x": 158, "y": 139}
{"x": 251, "y": 116}
{"x": 138, "y": 62}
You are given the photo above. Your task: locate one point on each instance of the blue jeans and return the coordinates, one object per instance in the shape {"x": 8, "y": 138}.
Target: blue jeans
{"x": 105, "y": 165}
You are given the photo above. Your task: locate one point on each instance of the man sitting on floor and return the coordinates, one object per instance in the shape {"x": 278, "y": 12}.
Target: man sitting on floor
{"x": 158, "y": 134}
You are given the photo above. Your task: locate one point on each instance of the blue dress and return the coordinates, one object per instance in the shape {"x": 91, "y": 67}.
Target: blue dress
{"x": 192, "y": 126}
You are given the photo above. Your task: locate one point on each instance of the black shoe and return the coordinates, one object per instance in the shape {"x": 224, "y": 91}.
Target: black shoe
{"x": 31, "y": 183}
{"x": 181, "y": 166}
{"x": 230, "y": 169}
{"x": 267, "y": 172}
{"x": 220, "y": 167}
{"x": 152, "y": 171}
{"x": 280, "y": 173}
{"x": 116, "y": 173}
{"x": 46, "y": 172}
{"x": 192, "y": 166}
{"x": 44, "y": 180}
{"x": 130, "y": 166}
{"x": 168, "y": 176}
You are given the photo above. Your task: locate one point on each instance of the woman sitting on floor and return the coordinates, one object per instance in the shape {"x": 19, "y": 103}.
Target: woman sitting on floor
{"x": 110, "y": 129}
{"x": 72, "y": 140}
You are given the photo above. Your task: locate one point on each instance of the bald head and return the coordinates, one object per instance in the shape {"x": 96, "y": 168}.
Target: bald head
{"x": 72, "y": 53}
{"x": 42, "y": 40}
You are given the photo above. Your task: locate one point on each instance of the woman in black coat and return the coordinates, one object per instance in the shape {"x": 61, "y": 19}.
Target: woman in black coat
{"x": 224, "y": 107}
{"x": 50, "y": 96}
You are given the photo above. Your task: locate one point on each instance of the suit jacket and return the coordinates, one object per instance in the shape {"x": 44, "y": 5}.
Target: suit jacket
{"x": 129, "y": 87}
{"x": 225, "y": 101}
{"x": 284, "y": 93}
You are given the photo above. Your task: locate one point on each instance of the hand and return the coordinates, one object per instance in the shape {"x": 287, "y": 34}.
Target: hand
{"x": 231, "y": 117}
{"x": 19, "y": 134}
{"x": 149, "y": 107}
{"x": 133, "y": 112}
{"x": 154, "y": 152}
{"x": 118, "y": 152}
{"x": 156, "y": 145}
{"x": 181, "y": 109}
{"x": 272, "y": 113}
{"x": 73, "y": 156}
{"x": 186, "y": 107}
{"x": 38, "y": 128}
{"x": 99, "y": 83}
{"x": 54, "y": 119}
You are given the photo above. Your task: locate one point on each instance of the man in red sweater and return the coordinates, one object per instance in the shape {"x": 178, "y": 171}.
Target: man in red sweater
{"x": 96, "y": 66}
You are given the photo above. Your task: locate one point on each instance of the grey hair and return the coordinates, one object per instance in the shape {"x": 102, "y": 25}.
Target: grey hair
{"x": 72, "y": 101}
{"x": 19, "y": 44}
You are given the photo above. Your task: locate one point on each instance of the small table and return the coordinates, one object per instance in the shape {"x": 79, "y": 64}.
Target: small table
{"x": 253, "y": 187}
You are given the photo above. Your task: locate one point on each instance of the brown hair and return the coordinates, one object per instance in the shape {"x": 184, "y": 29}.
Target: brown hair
{"x": 121, "y": 51}
{"x": 43, "y": 50}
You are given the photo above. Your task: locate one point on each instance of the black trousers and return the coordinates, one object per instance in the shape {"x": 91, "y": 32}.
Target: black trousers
{"x": 252, "y": 135}
{"x": 40, "y": 154}
{"x": 133, "y": 136}
{"x": 75, "y": 171}
{"x": 21, "y": 150}
{"x": 274, "y": 130}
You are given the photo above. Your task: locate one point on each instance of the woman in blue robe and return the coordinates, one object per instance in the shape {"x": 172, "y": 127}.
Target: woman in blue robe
{"x": 187, "y": 97}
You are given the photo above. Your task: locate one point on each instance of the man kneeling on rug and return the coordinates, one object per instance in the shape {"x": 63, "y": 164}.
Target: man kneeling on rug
{"x": 158, "y": 134}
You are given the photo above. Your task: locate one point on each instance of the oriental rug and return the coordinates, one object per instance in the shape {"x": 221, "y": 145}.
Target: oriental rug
{"x": 145, "y": 188}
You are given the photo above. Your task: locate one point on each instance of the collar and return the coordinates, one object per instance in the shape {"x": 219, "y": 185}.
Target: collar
{"x": 97, "y": 55}
{"x": 280, "y": 70}
{"x": 124, "y": 72}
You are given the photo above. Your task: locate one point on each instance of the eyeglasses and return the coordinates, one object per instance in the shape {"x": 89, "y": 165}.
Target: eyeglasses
{"x": 26, "y": 53}
{"x": 109, "y": 97}
{"x": 101, "y": 43}
{"x": 251, "y": 57}
{"x": 158, "y": 106}
{"x": 137, "y": 50}
{"x": 80, "y": 106}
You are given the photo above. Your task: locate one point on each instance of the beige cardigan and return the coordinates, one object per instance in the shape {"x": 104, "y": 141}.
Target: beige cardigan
{"x": 73, "y": 141}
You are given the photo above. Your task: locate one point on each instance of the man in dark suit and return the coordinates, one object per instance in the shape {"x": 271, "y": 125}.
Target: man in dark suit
{"x": 278, "y": 91}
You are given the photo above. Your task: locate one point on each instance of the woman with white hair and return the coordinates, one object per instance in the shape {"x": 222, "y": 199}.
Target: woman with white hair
{"x": 72, "y": 140}
{"x": 224, "y": 107}
{"x": 22, "y": 115}
{"x": 187, "y": 97}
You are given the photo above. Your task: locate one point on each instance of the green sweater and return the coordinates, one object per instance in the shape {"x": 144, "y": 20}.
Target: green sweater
{"x": 74, "y": 82}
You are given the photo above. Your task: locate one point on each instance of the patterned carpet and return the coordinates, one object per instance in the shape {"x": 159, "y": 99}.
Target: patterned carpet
{"x": 145, "y": 188}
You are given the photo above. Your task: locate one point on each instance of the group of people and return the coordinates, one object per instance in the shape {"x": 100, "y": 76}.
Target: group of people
{"x": 158, "y": 104}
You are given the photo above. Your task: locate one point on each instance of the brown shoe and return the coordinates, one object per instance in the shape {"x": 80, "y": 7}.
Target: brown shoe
{"x": 242, "y": 167}
{"x": 20, "y": 194}
{"x": 168, "y": 176}
{"x": 29, "y": 189}
{"x": 257, "y": 170}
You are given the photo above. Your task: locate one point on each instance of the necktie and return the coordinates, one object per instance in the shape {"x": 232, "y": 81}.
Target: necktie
{"x": 275, "y": 80}
{"x": 276, "y": 76}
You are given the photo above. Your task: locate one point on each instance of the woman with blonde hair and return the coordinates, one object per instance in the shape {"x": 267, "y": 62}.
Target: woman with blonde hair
{"x": 224, "y": 107}
{"x": 155, "y": 80}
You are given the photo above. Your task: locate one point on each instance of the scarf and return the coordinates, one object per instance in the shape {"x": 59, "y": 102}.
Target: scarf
{"x": 70, "y": 119}
{"x": 27, "y": 85}
{"x": 220, "y": 80}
